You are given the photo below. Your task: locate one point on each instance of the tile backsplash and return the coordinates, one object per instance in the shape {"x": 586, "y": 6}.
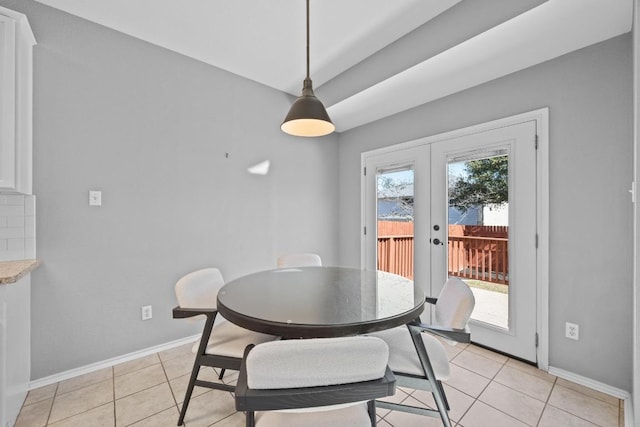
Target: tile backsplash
{"x": 17, "y": 227}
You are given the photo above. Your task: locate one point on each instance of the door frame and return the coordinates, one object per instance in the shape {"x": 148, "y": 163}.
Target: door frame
{"x": 541, "y": 119}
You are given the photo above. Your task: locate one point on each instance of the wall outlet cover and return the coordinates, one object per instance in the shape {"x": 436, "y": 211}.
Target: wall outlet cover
{"x": 572, "y": 331}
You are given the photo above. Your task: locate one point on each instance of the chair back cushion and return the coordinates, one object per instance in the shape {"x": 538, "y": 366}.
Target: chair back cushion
{"x": 299, "y": 260}
{"x": 455, "y": 304}
{"x": 199, "y": 289}
{"x": 316, "y": 362}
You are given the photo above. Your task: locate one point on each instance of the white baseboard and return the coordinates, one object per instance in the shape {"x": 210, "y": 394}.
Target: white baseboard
{"x": 52, "y": 379}
{"x": 601, "y": 387}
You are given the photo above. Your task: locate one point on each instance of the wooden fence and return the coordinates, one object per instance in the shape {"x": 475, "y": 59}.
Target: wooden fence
{"x": 475, "y": 252}
{"x": 479, "y": 258}
{"x": 395, "y": 255}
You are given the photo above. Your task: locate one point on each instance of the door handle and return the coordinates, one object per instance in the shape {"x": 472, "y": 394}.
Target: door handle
{"x": 437, "y": 242}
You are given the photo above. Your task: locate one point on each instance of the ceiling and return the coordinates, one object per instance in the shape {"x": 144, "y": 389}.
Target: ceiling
{"x": 265, "y": 41}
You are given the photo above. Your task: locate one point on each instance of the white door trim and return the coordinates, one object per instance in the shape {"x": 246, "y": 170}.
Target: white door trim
{"x": 541, "y": 118}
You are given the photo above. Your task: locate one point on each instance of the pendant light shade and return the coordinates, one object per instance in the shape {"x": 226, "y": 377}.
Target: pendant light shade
{"x": 307, "y": 116}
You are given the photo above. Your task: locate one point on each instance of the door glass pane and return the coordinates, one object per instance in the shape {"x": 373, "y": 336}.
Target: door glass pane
{"x": 395, "y": 220}
{"x": 478, "y": 233}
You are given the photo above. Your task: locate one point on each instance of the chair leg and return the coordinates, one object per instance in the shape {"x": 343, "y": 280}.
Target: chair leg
{"x": 444, "y": 395}
{"x": 251, "y": 419}
{"x": 221, "y": 374}
{"x": 371, "y": 408}
{"x": 187, "y": 395}
{"x": 428, "y": 370}
{"x": 204, "y": 340}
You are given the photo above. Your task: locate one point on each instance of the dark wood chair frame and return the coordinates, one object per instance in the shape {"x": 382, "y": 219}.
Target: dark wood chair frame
{"x": 428, "y": 381}
{"x": 203, "y": 359}
{"x": 251, "y": 400}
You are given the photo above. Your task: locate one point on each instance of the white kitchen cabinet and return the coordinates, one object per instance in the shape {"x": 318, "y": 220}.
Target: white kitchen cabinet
{"x": 15, "y": 347}
{"x": 16, "y": 99}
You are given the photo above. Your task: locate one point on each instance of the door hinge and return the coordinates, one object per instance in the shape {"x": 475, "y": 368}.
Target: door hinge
{"x": 365, "y": 231}
{"x": 536, "y": 143}
{"x": 633, "y": 192}
{"x": 537, "y": 340}
{"x": 364, "y": 171}
{"x": 536, "y": 241}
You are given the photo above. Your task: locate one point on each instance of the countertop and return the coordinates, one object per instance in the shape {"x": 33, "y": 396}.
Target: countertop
{"x": 12, "y": 271}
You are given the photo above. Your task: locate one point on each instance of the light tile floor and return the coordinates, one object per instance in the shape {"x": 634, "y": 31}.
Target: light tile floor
{"x": 485, "y": 389}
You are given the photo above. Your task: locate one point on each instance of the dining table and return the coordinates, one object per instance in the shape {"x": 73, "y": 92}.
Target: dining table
{"x": 320, "y": 302}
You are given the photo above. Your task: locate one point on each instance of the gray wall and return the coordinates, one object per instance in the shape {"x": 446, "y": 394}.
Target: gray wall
{"x": 150, "y": 128}
{"x": 589, "y": 93}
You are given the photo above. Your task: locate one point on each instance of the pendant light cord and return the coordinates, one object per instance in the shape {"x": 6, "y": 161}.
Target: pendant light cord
{"x": 308, "y": 40}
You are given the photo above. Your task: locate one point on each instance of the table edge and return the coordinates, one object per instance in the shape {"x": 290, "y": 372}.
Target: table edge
{"x": 292, "y": 330}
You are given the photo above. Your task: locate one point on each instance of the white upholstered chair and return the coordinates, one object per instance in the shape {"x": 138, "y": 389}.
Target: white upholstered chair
{"x": 299, "y": 260}
{"x": 425, "y": 366}
{"x": 222, "y": 343}
{"x": 314, "y": 382}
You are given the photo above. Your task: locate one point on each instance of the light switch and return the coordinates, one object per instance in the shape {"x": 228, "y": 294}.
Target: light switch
{"x": 95, "y": 198}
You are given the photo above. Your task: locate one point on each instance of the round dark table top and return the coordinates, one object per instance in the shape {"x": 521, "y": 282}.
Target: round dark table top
{"x": 320, "y": 302}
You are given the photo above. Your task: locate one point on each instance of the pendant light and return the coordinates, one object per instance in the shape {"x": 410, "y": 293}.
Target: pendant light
{"x": 307, "y": 116}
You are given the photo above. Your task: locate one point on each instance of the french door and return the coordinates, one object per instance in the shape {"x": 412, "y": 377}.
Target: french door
{"x": 461, "y": 207}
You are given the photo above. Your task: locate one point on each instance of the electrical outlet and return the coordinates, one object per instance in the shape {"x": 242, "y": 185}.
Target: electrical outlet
{"x": 572, "y": 331}
{"x": 146, "y": 312}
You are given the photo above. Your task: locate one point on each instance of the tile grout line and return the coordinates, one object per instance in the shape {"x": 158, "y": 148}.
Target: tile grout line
{"x": 24, "y": 406}
{"x": 567, "y": 411}
{"x": 53, "y": 401}
{"x": 150, "y": 387}
{"x": 593, "y": 397}
{"x": 546, "y": 402}
{"x": 555, "y": 384}
{"x": 79, "y": 413}
{"x": 175, "y": 400}
{"x": 476, "y": 399}
{"x": 113, "y": 391}
{"x": 492, "y": 379}
{"x": 113, "y": 377}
